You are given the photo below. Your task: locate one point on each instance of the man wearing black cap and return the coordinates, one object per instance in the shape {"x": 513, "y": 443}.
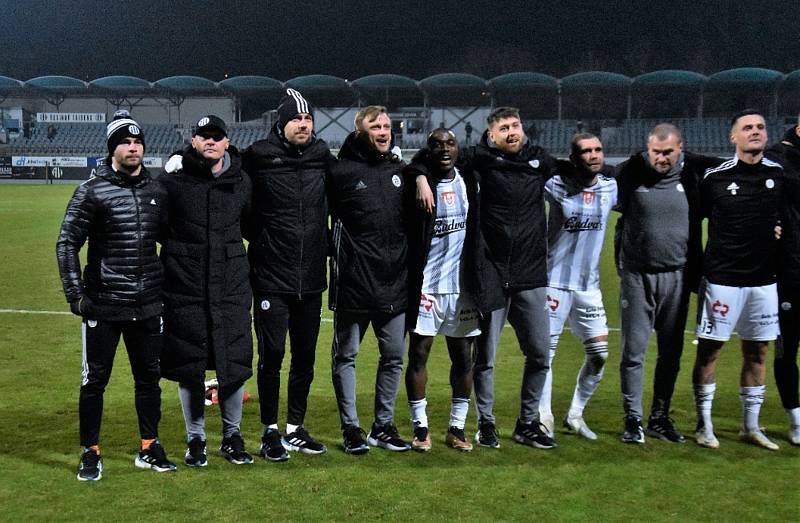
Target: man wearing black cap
{"x": 119, "y": 211}
{"x": 287, "y": 266}
{"x": 206, "y": 290}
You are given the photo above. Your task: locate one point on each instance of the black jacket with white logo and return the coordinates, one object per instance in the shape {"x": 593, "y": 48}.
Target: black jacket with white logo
{"x": 121, "y": 217}
{"x": 787, "y": 153}
{"x": 289, "y": 222}
{"x": 368, "y": 258}
{"x": 513, "y": 218}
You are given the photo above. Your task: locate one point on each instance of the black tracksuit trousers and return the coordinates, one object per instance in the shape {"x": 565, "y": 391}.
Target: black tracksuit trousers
{"x": 274, "y": 316}
{"x": 143, "y": 342}
{"x": 786, "y": 373}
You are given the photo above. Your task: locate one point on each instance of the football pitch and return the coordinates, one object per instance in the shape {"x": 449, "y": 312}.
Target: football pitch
{"x": 603, "y": 480}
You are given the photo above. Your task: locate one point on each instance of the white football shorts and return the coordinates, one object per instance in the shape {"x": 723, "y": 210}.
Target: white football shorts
{"x": 453, "y": 315}
{"x": 751, "y": 311}
{"x": 585, "y": 310}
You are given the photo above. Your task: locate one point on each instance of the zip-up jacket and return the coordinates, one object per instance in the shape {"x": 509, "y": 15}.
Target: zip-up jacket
{"x": 368, "y": 258}
{"x": 289, "y": 222}
{"x": 478, "y": 276}
{"x": 121, "y": 217}
{"x": 513, "y": 218}
{"x": 787, "y": 153}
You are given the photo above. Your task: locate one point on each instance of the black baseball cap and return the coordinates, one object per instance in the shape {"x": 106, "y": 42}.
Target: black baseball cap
{"x": 210, "y": 123}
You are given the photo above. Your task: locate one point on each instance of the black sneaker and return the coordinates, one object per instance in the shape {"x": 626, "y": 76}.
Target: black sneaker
{"x": 533, "y": 434}
{"x": 272, "y": 447}
{"x": 487, "y": 435}
{"x": 634, "y": 433}
{"x": 91, "y": 466}
{"x": 301, "y": 441}
{"x": 154, "y": 458}
{"x": 196, "y": 453}
{"x": 232, "y": 449}
{"x": 354, "y": 440}
{"x": 387, "y": 437}
{"x": 664, "y": 428}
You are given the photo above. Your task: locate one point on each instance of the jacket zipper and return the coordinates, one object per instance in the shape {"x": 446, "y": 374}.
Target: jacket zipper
{"x": 140, "y": 283}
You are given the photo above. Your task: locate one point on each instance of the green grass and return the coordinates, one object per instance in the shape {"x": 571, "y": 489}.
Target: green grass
{"x": 580, "y": 480}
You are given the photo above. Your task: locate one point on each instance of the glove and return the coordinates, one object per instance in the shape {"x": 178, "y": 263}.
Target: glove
{"x": 174, "y": 164}
{"x": 81, "y": 307}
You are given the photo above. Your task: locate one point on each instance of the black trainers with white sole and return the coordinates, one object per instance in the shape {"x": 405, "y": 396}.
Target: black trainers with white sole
{"x": 487, "y": 435}
{"x": 664, "y": 428}
{"x": 154, "y": 458}
{"x": 634, "y": 433}
{"x": 196, "y": 453}
{"x": 91, "y": 466}
{"x": 387, "y": 437}
{"x": 301, "y": 441}
{"x": 533, "y": 434}
{"x": 354, "y": 440}
{"x": 272, "y": 448}
{"x": 232, "y": 449}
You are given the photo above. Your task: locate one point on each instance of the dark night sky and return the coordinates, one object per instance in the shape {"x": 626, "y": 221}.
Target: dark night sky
{"x": 152, "y": 40}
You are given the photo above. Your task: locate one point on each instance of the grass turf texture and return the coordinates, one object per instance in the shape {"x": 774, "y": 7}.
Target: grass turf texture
{"x": 40, "y": 364}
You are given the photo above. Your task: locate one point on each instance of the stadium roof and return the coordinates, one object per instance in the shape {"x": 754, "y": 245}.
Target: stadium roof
{"x": 523, "y": 80}
{"x": 455, "y": 89}
{"x": 388, "y": 89}
{"x": 122, "y": 84}
{"x": 745, "y": 76}
{"x": 187, "y": 85}
{"x": 595, "y": 79}
{"x": 6, "y": 83}
{"x": 249, "y": 85}
{"x": 669, "y": 78}
{"x": 792, "y": 80}
{"x": 323, "y": 89}
{"x": 61, "y": 84}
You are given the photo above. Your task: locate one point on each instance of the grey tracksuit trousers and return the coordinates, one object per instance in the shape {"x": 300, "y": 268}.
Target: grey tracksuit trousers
{"x": 526, "y": 311}
{"x": 650, "y": 301}
{"x": 349, "y": 329}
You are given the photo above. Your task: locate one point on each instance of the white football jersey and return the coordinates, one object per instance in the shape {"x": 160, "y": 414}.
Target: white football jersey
{"x": 443, "y": 268}
{"x": 575, "y": 231}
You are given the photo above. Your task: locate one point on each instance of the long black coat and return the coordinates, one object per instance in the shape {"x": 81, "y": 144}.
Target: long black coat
{"x": 206, "y": 286}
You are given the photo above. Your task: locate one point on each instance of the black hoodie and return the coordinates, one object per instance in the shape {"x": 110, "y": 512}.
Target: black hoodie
{"x": 787, "y": 153}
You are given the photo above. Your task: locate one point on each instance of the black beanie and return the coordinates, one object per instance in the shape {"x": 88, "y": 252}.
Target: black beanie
{"x": 291, "y": 105}
{"x": 122, "y": 126}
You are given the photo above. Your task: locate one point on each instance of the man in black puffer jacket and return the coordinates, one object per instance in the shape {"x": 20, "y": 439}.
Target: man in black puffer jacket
{"x": 206, "y": 286}
{"x": 287, "y": 266}
{"x": 368, "y": 274}
{"x": 787, "y": 153}
{"x": 119, "y": 211}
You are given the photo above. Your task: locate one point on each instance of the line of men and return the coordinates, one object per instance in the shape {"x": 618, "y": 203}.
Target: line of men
{"x": 456, "y": 243}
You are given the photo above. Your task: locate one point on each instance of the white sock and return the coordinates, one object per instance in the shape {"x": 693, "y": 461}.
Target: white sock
{"x": 794, "y": 416}
{"x": 291, "y": 428}
{"x": 546, "y": 399}
{"x": 589, "y": 377}
{"x": 703, "y": 398}
{"x": 274, "y": 426}
{"x": 458, "y": 412}
{"x": 752, "y": 398}
{"x": 419, "y": 416}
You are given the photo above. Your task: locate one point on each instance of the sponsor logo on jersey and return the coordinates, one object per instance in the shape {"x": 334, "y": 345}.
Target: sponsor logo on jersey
{"x": 552, "y": 303}
{"x": 732, "y": 188}
{"x": 720, "y": 308}
{"x": 579, "y": 223}
{"x": 425, "y": 303}
{"x": 588, "y": 198}
{"x": 448, "y": 225}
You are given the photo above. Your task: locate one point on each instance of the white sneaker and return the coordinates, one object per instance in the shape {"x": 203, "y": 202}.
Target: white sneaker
{"x": 756, "y": 437}
{"x": 706, "y": 439}
{"x": 579, "y": 427}
{"x": 794, "y": 435}
{"x": 549, "y": 423}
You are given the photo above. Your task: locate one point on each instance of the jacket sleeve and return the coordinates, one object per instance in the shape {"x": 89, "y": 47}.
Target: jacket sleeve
{"x": 247, "y": 217}
{"x": 78, "y": 220}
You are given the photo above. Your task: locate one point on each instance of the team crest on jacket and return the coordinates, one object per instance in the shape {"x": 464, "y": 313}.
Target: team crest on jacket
{"x": 770, "y": 183}
{"x": 265, "y": 305}
{"x": 534, "y": 164}
{"x": 396, "y": 180}
{"x": 679, "y": 187}
{"x": 732, "y": 188}
{"x": 91, "y": 323}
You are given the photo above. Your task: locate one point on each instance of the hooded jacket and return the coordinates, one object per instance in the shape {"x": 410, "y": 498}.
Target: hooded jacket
{"x": 289, "y": 223}
{"x": 513, "y": 219}
{"x": 121, "y": 216}
{"x": 368, "y": 258}
{"x": 207, "y": 293}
